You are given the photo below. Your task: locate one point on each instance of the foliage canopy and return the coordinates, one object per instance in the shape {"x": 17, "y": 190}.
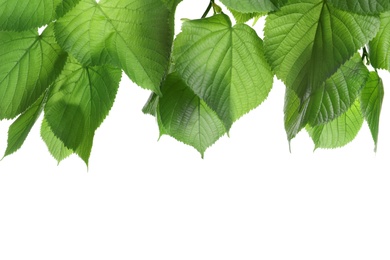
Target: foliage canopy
{"x": 326, "y": 52}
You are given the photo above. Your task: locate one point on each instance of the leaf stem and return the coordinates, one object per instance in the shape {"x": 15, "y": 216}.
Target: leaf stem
{"x": 208, "y": 9}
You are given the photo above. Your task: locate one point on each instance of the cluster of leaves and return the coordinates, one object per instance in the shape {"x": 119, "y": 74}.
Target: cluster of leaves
{"x": 203, "y": 80}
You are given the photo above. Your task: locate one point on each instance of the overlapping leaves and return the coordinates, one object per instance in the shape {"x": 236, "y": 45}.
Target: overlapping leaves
{"x": 212, "y": 74}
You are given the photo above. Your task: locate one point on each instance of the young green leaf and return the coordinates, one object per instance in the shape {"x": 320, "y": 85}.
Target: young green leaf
{"x": 362, "y": 6}
{"x": 250, "y": 6}
{"x": 380, "y": 45}
{"x": 134, "y": 35}
{"x": 29, "y": 64}
{"x": 244, "y": 17}
{"x": 80, "y": 99}
{"x": 307, "y": 41}
{"x": 20, "y": 129}
{"x": 186, "y": 117}
{"x": 225, "y": 66}
{"x": 56, "y": 147}
{"x": 371, "y": 103}
{"x": 334, "y": 98}
{"x": 27, "y": 14}
{"x": 340, "y": 131}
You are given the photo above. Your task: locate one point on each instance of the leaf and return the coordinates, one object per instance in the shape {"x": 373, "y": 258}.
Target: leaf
{"x": 134, "y": 35}
{"x": 27, "y": 14}
{"x": 339, "y": 92}
{"x": 223, "y": 65}
{"x": 244, "y": 17}
{"x": 56, "y": 147}
{"x": 250, "y": 6}
{"x": 334, "y": 98}
{"x": 151, "y": 105}
{"x": 380, "y": 45}
{"x": 362, "y": 6}
{"x": 65, "y": 6}
{"x": 340, "y": 131}
{"x": 307, "y": 41}
{"x": 371, "y": 103}
{"x": 186, "y": 117}
{"x": 80, "y": 99}
{"x": 29, "y": 64}
{"x": 171, "y": 4}
{"x": 22, "y": 126}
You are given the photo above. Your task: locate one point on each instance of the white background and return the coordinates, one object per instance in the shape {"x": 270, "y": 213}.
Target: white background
{"x": 250, "y": 198}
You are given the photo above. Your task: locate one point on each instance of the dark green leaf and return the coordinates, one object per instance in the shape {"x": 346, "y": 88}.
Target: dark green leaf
{"x": 151, "y": 105}
{"x": 65, "y": 6}
{"x": 20, "y": 129}
{"x": 26, "y": 14}
{"x": 80, "y": 99}
{"x": 250, "y": 6}
{"x": 223, "y": 65}
{"x": 371, "y": 103}
{"x": 186, "y": 117}
{"x": 365, "y": 7}
{"x": 307, "y": 41}
{"x": 340, "y": 131}
{"x": 334, "y": 98}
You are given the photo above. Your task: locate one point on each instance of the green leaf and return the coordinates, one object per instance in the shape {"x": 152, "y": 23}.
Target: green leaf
{"x": 56, "y": 147}
{"x": 151, "y": 105}
{"x": 27, "y": 14}
{"x": 371, "y": 103}
{"x": 134, "y": 35}
{"x": 29, "y": 64}
{"x": 250, "y": 6}
{"x": 362, "y": 6}
{"x": 65, "y": 6}
{"x": 307, "y": 41}
{"x": 186, "y": 117}
{"x": 340, "y": 131}
{"x": 244, "y": 17}
{"x": 225, "y": 66}
{"x": 171, "y": 4}
{"x": 380, "y": 45}
{"x": 22, "y": 126}
{"x": 334, "y": 98}
{"x": 80, "y": 99}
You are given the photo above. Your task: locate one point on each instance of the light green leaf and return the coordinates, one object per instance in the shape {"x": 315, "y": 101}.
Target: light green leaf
{"x": 29, "y": 64}
{"x": 225, "y": 66}
{"x": 244, "y": 17}
{"x": 340, "y": 131}
{"x": 365, "y": 7}
{"x": 22, "y": 126}
{"x": 80, "y": 99}
{"x": 26, "y": 14}
{"x": 65, "y": 6}
{"x": 371, "y": 103}
{"x": 307, "y": 41}
{"x": 134, "y": 35}
{"x": 334, "y": 98}
{"x": 186, "y": 117}
{"x": 56, "y": 147}
{"x": 380, "y": 45}
{"x": 250, "y": 6}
